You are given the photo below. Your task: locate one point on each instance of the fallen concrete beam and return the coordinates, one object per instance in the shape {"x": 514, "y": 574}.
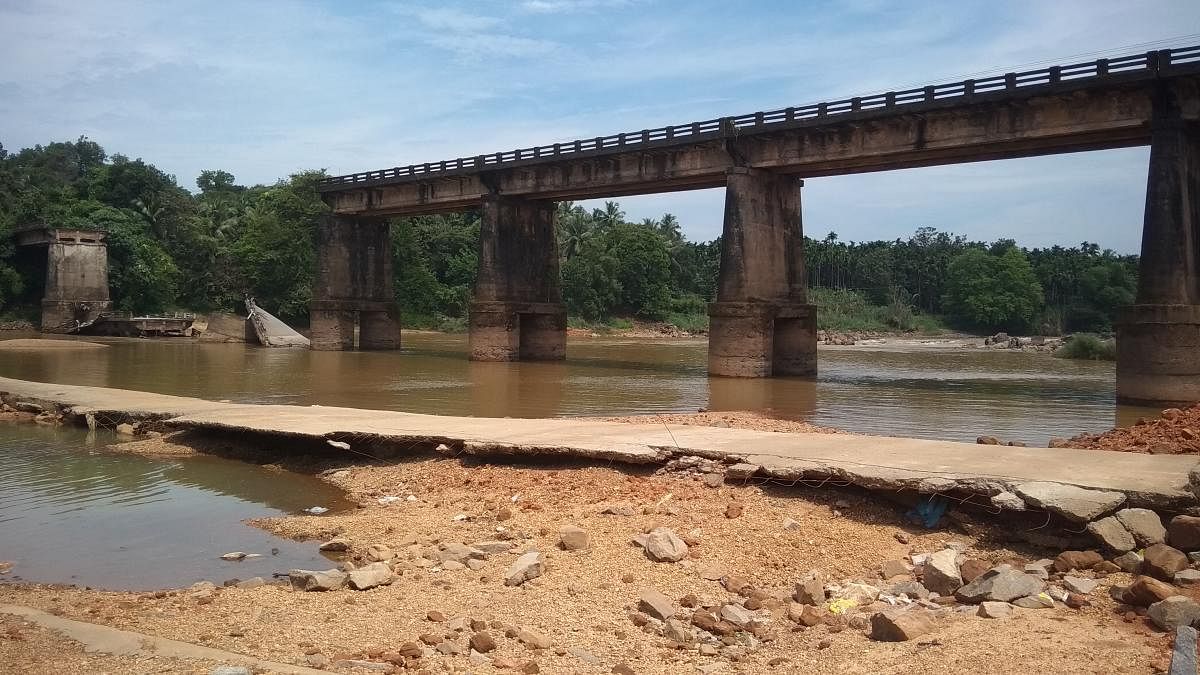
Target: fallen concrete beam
{"x": 874, "y": 462}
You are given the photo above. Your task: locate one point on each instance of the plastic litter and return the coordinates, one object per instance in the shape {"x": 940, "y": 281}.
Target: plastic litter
{"x": 316, "y": 510}
{"x": 388, "y": 499}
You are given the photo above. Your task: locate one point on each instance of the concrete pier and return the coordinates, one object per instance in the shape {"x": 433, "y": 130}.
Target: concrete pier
{"x": 1158, "y": 339}
{"x": 517, "y": 313}
{"x": 761, "y": 324}
{"x": 353, "y": 286}
{"x": 76, "y": 274}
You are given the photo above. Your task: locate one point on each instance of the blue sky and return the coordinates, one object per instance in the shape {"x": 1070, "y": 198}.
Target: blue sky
{"x": 266, "y": 88}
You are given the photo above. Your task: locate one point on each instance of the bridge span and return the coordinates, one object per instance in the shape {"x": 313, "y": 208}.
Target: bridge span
{"x": 761, "y": 323}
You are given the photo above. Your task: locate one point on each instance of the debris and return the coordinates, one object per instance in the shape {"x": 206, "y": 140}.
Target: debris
{"x": 1162, "y": 561}
{"x": 941, "y": 572}
{"x": 1174, "y": 612}
{"x": 528, "y": 566}
{"x": 899, "y": 626}
{"x": 316, "y": 510}
{"x": 340, "y": 445}
{"x": 1074, "y": 503}
{"x": 929, "y": 511}
{"x": 389, "y": 499}
{"x": 1145, "y": 526}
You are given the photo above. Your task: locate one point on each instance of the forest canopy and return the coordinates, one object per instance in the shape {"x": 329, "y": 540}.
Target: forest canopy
{"x": 206, "y": 248}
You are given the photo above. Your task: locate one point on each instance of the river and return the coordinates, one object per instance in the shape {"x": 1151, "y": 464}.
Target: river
{"x": 143, "y": 523}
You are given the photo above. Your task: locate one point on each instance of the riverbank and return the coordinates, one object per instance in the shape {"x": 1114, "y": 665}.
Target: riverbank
{"x": 441, "y": 533}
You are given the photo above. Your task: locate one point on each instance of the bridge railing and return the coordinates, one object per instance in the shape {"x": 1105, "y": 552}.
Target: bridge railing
{"x": 1151, "y": 63}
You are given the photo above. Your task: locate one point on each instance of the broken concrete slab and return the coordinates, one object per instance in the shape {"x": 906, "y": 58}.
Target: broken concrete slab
{"x": 1157, "y": 481}
{"x": 1081, "y": 505}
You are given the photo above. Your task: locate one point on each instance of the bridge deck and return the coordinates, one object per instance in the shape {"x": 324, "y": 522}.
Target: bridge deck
{"x": 1053, "y": 80}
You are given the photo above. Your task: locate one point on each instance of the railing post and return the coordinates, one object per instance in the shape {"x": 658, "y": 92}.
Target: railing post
{"x": 557, "y": 149}
{"x": 1055, "y": 74}
{"x": 426, "y": 167}
{"x": 578, "y": 146}
{"x": 727, "y": 127}
{"x": 645, "y": 135}
{"x": 1102, "y": 67}
{"x": 790, "y": 114}
{"x": 1010, "y": 81}
{"x": 695, "y": 128}
{"x": 928, "y": 93}
{"x": 822, "y": 109}
{"x": 968, "y": 87}
{"x": 855, "y": 104}
{"x": 758, "y": 119}
{"x": 599, "y": 142}
{"x": 670, "y": 132}
{"x": 621, "y": 139}
{"x": 889, "y": 99}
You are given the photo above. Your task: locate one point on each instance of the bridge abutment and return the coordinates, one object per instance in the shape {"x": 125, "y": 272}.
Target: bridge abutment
{"x": 353, "y": 286}
{"x": 1158, "y": 339}
{"x": 517, "y": 313}
{"x": 761, "y": 324}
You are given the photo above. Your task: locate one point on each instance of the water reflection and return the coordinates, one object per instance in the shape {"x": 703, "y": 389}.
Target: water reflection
{"x": 913, "y": 391}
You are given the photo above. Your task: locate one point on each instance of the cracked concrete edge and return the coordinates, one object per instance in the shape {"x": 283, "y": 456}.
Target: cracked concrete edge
{"x": 98, "y": 638}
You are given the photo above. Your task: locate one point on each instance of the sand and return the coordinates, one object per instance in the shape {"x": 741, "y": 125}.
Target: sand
{"x": 582, "y": 601}
{"x": 40, "y": 345}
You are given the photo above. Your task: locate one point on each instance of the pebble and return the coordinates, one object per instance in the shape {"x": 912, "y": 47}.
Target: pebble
{"x": 663, "y": 545}
{"x": 734, "y": 509}
{"x": 483, "y": 642}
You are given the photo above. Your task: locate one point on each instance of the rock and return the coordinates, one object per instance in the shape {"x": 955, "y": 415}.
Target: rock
{"x": 233, "y": 555}
{"x": 806, "y": 615}
{"x": 455, "y": 566}
{"x": 1174, "y": 612}
{"x": 742, "y": 471}
{"x": 572, "y": 538}
{"x": 711, "y": 571}
{"x": 1184, "y": 533}
{"x": 449, "y": 647}
{"x": 1129, "y": 562}
{"x": 459, "y": 553}
{"x": 619, "y": 509}
{"x": 1188, "y": 577}
{"x": 1037, "y": 571}
{"x": 810, "y": 590}
{"x": 125, "y": 429}
{"x": 336, "y": 544}
{"x": 622, "y": 669}
{"x": 912, "y": 589}
{"x": 379, "y": 553}
{"x": 737, "y": 615}
{"x": 790, "y": 524}
{"x": 533, "y": 640}
{"x": 1162, "y": 561}
{"x": 734, "y": 509}
{"x": 900, "y": 625}
{"x": 435, "y": 616}
{"x": 254, "y": 582}
{"x": 1145, "y": 526}
{"x": 1039, "y": 601}
{"x": 894, "y": 568}
{"x": 1143, "y": 592}
{"x": 1008, "y": 500}
{"x": 1080, "y": 585}
{"x": 941, "y": 572}
{"x": 370, "y": 576}
{"x": 1112, "y": 534}
{"x": 528, "y": 566}
{"x": 987, "y": 440}
{"x": 994, "y": 610}
{"x": 1001, "y": 584}
{"x": 492, "y": 547}
{"x": 972, "y": 568}
{"x": 1074, "y": 503}
{"x": 1077, "y": 560}
{"x": 656, "y": 605}
{"x": 663, "y": 545}
{"x": 679, "y": 631}
{"x": 411, "y": 650}
{"x": 226, "y": 670}
{"x": 314, "y": 580}
{"x": 1076, "y": 601}
{"x": 860, "y": 594}
{"x": 483, "y": 642}
{"x": 1183, "y": 653}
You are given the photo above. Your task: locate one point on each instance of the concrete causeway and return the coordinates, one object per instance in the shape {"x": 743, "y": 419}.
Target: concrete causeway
{"x": 877, "y": 462}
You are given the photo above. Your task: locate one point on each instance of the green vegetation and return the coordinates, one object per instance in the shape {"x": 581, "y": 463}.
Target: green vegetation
{"x": 205, "y": 250}
{"x": 1088, "y": 347}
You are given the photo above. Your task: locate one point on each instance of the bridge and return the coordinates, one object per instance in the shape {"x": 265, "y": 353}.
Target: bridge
{"x": 761, "y": 323}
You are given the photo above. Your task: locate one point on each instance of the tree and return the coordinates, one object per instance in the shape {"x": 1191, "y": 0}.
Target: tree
{"x": 643, "y": 269}
{"x": 993, "y": 291}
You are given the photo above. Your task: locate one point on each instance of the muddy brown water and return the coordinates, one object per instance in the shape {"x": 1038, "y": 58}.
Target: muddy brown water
{"x": 71, "y": 513}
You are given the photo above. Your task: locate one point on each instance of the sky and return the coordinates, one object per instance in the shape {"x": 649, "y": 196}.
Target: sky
{"x": 267, "y": 88}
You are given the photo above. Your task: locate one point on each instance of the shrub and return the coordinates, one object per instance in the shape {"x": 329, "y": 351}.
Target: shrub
{"x": 1088, "y": 347}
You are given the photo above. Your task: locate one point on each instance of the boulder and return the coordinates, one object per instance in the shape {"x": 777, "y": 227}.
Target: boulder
{"x": 572, "y": 538}
{"x": 1173, "y": 612}
{"x": 316, "y": 580}
{"x": 1145, "y": 526}
{"x": 1081, "y": 505}
{"x": 1111, "y": 534}
{"x": 900, "y": 625}
{"x": 1162, "y": 561}
{"x": 972, "y": 568}
{"x": 1184, "y": 533}
{"x": 1002, "y": 584}
{"x": 806, "y": 615}
{"x": 1077, "y": 560}
{"x": 528, "y": 566}
{"x": 656, "y": 605}
{"x": 994, "y": 610}
{"x": 810, "y": 590}
{"x": 1143, "y": 592}
{"x": 941, "y": 572}
{"x": 1129, "y": 562}
{"x": 663, "y": 545}
{"x": 370, "y": 576}
{"x": 1188, "y": 577}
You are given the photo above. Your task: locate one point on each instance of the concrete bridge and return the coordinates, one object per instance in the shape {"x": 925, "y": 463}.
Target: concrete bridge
{"x": 761, "y": 323}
